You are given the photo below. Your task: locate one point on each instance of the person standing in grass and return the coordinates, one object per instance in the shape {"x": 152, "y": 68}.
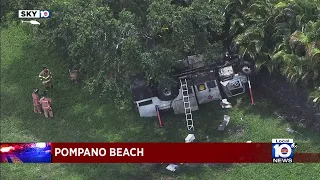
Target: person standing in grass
{"x": 74, "y": 72}
{"x": 46, "y": 106}
{"x": 36, "y": 103}
{"x": 46, "y": 78}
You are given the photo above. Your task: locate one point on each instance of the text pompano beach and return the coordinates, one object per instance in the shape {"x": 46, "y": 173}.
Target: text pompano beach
{"x": 99, "y": 152}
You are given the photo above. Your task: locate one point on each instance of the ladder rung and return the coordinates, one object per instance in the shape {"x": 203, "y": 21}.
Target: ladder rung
{"x": 185, "y": 96}
{"x": 188, "y": 113}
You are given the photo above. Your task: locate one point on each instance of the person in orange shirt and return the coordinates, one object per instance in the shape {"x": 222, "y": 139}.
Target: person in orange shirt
{"x": 36, "y": 103}
{"x": 46, "y": 106}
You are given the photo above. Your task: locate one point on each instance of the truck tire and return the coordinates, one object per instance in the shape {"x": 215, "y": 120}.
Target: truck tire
{"x": 246, "y": 68}
{"x": 167, "y": 93}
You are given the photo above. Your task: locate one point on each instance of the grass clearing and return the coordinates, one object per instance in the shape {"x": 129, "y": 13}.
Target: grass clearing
{"x": 85, "y": 118}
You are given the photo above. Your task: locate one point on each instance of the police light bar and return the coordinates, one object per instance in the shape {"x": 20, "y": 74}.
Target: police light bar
{"x": 41, "y": 145}
{"x": 6, "y": 149}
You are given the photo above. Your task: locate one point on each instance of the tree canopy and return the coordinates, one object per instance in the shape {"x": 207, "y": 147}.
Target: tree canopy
{"x": 113, "y": 40}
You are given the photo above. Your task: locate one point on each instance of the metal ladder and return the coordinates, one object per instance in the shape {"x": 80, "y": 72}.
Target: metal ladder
{"x": 186, "y": 103}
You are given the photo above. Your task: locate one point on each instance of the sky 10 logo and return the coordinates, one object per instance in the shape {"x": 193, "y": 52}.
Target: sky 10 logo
{"x": 283, "y": 150}
{"x": 23, "y": 14}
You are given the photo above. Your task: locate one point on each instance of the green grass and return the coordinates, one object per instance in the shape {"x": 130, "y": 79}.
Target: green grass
{"x": 85, "y": 118}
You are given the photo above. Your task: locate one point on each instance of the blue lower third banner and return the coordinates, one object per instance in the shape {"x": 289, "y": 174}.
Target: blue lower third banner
{"x": 25, "y": 152}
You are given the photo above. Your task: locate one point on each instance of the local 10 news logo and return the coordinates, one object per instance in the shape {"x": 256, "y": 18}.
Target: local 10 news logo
{"x": 25, "y": 14}
{"x": 283, "y": 150}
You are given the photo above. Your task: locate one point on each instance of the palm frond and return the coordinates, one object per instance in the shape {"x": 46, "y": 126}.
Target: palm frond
{"x": 259, "y": 45}
{"x": 298, "y": 70}
{"x": 278, "y": 55}
{"x": 280, "y": 5}
{"x": 315, "y": 96}
{"x": 305, "y": 77}
{"x": 315, "y": 74}
{"x": 299, "y": 36}
{"x": 289, "y": 59}
{"x": 315, "y": 54}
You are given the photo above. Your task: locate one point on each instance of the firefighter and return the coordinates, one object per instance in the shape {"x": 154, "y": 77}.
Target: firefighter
{"x": 74, "y": 75}
{"x": 36, "y": 103}
{"x": 46, "y": 78}
{"x": 46, "y": 106}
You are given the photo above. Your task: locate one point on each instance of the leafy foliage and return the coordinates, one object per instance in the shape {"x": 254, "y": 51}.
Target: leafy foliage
{"x": 112, "y": 40}
{"x": 111, "y": 44}
{"x": 282, "y": 36}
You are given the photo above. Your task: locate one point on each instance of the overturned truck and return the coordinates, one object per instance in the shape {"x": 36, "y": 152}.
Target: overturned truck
{"x": 197, "y": 82}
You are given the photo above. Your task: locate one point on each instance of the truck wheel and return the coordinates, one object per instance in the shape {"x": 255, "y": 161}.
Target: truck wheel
{"x": 166, "y": 93}
{"x": 247, "y": 68}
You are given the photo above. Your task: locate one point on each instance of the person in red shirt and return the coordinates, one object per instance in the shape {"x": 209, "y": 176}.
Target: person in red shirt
{"x": 46, "y": 106}
{"x": 36, "y": 103}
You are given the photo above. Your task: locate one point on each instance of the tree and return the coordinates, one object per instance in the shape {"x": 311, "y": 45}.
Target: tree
{"x": 111, "y": 44}
{"x": 280, "y": 35}
{"x": 9, "y": 8}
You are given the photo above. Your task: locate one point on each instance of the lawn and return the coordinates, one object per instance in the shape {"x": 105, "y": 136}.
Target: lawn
{"x": 88, "y": 118}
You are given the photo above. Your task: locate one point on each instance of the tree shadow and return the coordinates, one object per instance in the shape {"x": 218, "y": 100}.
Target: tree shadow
{"x": 270, "y": 107}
